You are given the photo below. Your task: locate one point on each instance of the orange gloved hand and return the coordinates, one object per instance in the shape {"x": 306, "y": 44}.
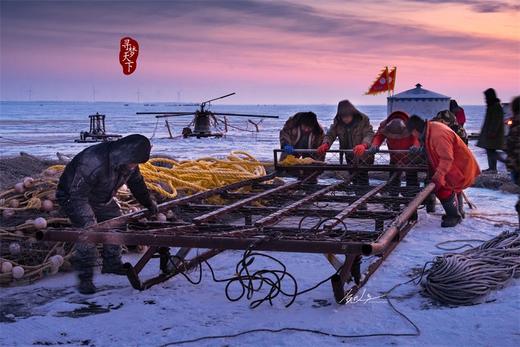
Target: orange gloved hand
{"x": 321, "y": 150}
{"x": 359, "y": 150}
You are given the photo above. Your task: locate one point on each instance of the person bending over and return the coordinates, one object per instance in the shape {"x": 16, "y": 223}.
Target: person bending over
{"x": 86, "y": 191}
{"x": 452, "y": 166}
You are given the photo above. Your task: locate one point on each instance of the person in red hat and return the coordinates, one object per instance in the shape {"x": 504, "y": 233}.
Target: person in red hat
{"x": 393, "y": 131}
{"x": 354, "y": 132}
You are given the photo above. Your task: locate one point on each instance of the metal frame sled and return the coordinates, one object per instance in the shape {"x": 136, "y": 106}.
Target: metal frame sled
{"x": 344, "y": 221}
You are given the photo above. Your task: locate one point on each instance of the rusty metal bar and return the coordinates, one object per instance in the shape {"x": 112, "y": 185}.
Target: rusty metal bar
{"x": 353, "y": 207}
{"x": 390, "y": 234}
{"x": 276, "y": 216}
{"x": 240, "y": 203}
{"x": 332, "y": 245}
{"x": 122, "y": 220}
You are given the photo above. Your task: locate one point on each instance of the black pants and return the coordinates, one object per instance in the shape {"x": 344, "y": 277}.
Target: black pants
{"x": 492, "y": 156}
{"x": 86, "y": 253}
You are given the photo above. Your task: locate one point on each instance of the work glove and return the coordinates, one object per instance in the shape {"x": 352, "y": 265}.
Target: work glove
{"x": 323, "y": 149}
{"x": 415, "y": 150}
{"x": 153, "y": 208}
{"x": 288, "y": 149}
{"x": 372, "y": 150}
{"x": 359, "y": 150}
{"x": 439, "y": 180}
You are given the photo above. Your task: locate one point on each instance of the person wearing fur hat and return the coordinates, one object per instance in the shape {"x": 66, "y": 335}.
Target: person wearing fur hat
{"x": 301, "y": 131}
{"x": 354, "y": 131}
{"x": 86, "y": 191}
{"x": 393, "y": 131}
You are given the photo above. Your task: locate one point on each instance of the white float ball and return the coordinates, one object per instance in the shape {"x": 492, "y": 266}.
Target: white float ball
{"x": 19, "y": 187}
{"x": 47, "y": 205}
{"x": 161, "y": 217}
{"x": 28, "y": 182}
{"x": 40, "y": 223}
{"x": 14, "y": 248}
{"x": 6, "y": 267}
{"x": 56, "y": 260}
{"x": 18, "y": 272}
{"x": 170, "y": 214}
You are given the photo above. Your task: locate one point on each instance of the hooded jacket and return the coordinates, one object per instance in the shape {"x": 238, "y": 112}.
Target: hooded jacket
{"x": 358, "y": 132}
{"x": 291, "y": 133}
{"x": 492, "y": 132}
{"x": 403, "y": 142}
{"x": 96, "y": 173}
{"x": 449, "y": 157}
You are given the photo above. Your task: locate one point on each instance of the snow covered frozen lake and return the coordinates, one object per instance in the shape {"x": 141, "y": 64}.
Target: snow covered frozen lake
{"x": 50, "y": 312}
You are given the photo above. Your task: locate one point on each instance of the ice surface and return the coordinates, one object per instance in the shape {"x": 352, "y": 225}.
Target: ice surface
{"x": 176, "y": 310}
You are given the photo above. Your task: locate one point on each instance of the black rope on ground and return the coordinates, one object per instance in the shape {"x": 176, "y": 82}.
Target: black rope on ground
{"x": 251, "y": 282}
{"x": 416, "y": 329}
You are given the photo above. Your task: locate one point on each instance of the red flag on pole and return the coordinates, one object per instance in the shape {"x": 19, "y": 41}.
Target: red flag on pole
{"x": 381, "y": 84}
{"x": 391, "y": 79}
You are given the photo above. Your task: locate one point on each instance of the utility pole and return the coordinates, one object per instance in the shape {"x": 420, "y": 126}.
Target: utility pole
{"x": 178, "y": 96}
{"x": 30, "y": 94}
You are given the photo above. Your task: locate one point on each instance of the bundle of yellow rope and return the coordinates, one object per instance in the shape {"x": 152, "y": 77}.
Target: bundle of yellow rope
{"x": 292, "y": 160}
{"x": 167, "y": 176}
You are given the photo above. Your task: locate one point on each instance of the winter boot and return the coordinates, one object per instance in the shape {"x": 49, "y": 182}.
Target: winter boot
{"x": 452, "y": 217}
{"x": 112, "y": 263}
{"x": 116, "y": 268}
{"x": 430, "y": 203}
{"x": 86, "y": 286}
{"x": 460, "y": 205}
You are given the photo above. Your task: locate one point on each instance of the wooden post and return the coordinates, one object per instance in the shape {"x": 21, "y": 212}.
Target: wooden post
{"x": 169, "y": 130}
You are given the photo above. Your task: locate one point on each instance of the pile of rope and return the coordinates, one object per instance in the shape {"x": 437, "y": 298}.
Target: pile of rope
{"x": 168, "y": 176}
{"x": 30, "y": 205}
{"x": 466, "y": 278}
{"x": 292, "y": 160}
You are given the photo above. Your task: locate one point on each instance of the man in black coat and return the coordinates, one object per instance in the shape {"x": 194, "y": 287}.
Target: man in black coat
{"x": 86, "y": 193}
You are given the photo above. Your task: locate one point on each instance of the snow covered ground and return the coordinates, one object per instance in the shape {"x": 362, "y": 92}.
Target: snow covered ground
{"x": 50, "y": 312}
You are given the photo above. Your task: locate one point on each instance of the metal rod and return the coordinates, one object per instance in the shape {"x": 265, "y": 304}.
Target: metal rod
{"x": 240, "y": 203}
{"x": 353, "y": 207}
{"x": 122, "y": 220}
{"x": 389, "y": 235}
{"x": 276, "y": 216}
{"x": 333, "y": 245}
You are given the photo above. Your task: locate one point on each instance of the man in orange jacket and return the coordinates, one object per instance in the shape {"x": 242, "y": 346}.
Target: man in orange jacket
{"x": 452, "y": 165}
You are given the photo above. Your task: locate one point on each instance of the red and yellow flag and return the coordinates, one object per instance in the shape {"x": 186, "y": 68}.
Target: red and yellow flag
{"x": 391, "y": 79}
{"x": 385, "y": 82}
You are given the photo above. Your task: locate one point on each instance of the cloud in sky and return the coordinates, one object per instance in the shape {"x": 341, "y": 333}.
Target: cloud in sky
{"x": 293, "y": 52}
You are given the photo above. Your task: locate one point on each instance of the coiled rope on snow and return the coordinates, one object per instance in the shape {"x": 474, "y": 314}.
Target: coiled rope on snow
{"x": 466, "y": 278}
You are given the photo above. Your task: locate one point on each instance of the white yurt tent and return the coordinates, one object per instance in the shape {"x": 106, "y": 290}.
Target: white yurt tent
{"x": 419, "y": 101}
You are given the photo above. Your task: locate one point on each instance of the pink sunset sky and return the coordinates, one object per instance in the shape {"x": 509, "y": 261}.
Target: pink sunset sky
{"x": 269, "y": 52}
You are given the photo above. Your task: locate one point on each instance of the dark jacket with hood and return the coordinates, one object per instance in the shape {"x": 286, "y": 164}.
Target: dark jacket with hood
{"x": 291, "y": 133}
{"x": 358, "y": 132}
{"x": 492, "y": 133}
{"x": 94, "y": 176}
